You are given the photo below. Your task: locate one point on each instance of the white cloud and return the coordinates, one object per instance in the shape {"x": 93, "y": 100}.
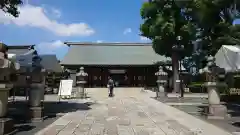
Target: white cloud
{"x": 99, "y": 41}
{"x": 57, "y": 44}
{"x": 127, "y": 30}
{"x": 142, "y": 38}
{"x": 50, "y": 47}
{"x": 36, "y": 17}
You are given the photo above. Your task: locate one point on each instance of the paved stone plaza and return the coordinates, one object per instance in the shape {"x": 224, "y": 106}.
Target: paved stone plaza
{"x": 130, "y": 112}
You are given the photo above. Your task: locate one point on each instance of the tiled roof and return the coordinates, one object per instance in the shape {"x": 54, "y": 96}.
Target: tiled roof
{"x": 18, "y": 49}
{"x": 110, "y": 54}
{"x": 50, "y": 63}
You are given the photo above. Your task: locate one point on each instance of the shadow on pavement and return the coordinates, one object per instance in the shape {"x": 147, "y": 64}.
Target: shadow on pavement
{"x": 52, "y": 111}
{"x": 232, "y": 104}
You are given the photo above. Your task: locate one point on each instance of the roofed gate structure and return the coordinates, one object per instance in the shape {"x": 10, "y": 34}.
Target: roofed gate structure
{"x": 21, "y": 79}
{"x": 129, "y": 64}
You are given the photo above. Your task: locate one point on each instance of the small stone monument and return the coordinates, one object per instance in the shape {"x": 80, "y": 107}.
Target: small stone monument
{"x": 81, "y": 81}
{"x": 6, "y": 67}
{"x": 161, "y": 81}
{"x": 215, "y": 109}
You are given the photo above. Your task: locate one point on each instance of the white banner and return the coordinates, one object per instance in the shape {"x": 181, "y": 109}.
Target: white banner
{"x": 65, "y": 88}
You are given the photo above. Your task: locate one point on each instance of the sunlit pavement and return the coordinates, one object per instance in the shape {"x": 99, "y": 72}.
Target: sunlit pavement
{"x": 130, "y": 112}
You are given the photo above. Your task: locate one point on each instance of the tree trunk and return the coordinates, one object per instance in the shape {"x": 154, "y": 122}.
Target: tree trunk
{"x": 181, "y": 79}
{"x": 175, "y": 69}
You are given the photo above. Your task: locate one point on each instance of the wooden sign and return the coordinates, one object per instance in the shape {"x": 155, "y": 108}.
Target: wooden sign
{"x": 65, "y": 88}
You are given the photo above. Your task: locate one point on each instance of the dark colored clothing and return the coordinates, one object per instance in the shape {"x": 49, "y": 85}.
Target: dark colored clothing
{"x": 111, "y": 83}
{"x": 111, "y": 86}
{"x": 110, "y": 92}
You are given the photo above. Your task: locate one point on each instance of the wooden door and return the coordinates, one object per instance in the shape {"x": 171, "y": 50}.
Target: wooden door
{"x": 96, "y": 77}
{"x": 104, "y": 78}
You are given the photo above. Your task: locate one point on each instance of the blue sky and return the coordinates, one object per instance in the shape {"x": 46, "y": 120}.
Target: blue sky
{"x": 49, "y": 23}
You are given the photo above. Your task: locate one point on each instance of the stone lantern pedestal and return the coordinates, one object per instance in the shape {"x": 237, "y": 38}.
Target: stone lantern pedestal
{"x": 81, "y": 81}
{"x": 6, "y": 124}
{"x": 161, "y": 82}
{"x": 36, "y": 97}
{"x": 215, "y": 109}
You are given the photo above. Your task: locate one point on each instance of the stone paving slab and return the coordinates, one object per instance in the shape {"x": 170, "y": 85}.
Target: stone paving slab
{"x": 130, "y": 112}
{"x": 192, "y": 123}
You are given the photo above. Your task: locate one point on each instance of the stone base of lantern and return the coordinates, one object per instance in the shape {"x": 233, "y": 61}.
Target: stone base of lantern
{"x": 217, "y": 112}
{"x": 161, "y": 94}
{"x": 81, "y": 93}
{"x": 36, "y": 114}
{"x": 161, "y": 91}
{"x": 6, "y": 126}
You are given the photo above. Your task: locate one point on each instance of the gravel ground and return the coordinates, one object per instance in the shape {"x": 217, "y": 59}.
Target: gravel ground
{"x": 196, "y": 107}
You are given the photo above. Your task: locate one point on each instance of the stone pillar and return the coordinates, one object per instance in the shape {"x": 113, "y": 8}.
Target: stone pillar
{"x": 72, "y": 76}
{"x": 213, "y": 95}
{"x": 6, "y": 124}
{"x": 81, "y": 81}
{"x": 6, "y": 67}
{"x": 161, "y": 82}
{"x": 215, "y": 109}
{"x": 36, "y": 97}
{"x": 3, "y": 99}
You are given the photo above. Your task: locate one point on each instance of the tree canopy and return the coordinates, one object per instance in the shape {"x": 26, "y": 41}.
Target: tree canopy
{"x": 214, "y": 19}
{"x": 164, "y": 21}
{"x": 208, "y": 21}
{"x": 10, "y": 6}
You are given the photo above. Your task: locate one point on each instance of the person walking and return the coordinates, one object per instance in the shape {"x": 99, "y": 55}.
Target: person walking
{"x": 110, "y": 86}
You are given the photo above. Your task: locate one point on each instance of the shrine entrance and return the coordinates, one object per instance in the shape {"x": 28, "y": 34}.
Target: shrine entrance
{"x": 123, "y": 76}
{"x": 119, "y": 76}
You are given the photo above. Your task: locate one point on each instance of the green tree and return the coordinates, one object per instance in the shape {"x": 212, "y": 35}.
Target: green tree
{"x": 164, "y": 21}
{"x": 215, "y": 20}
{"x": 10, "y": 6}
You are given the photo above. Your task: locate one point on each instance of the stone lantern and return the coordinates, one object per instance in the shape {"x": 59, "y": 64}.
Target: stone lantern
{"x": 6, "y": 67}
{"x": 213, "y": 83}
{"x": 37, "y": 89}
{"x": 81, "y": 81}
{"x": 162, "y": 77}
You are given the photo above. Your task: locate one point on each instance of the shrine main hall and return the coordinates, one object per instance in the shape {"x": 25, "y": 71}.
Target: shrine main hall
{"x": 129, "y": 64}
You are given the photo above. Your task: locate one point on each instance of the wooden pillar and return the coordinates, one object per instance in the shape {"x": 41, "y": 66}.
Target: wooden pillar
{"x": 73, "y": 77}
{"x": 104, "y": 74}
{"x": 90, "y": 76}
{"x": 144, "y": 77}
{"x": 134, "y": 77}
{"x": 101, "y": 76}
